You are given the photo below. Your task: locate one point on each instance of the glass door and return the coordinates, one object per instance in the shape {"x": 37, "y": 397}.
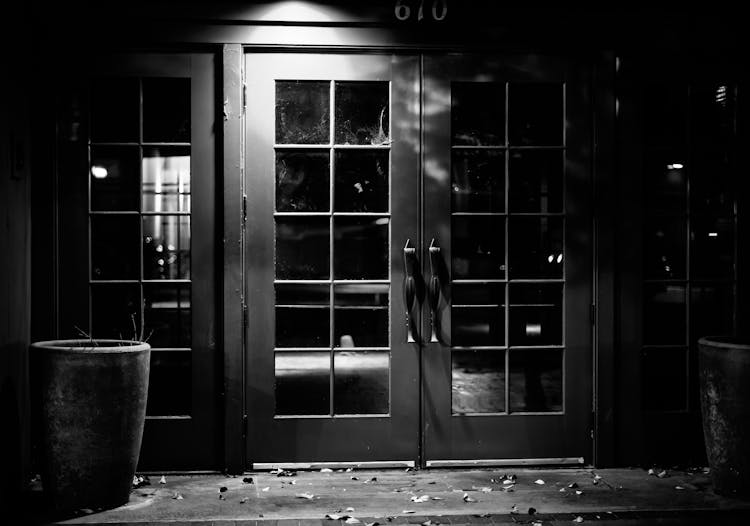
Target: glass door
{"x": 507, "y": 369}
{"x": 332, "y": 184}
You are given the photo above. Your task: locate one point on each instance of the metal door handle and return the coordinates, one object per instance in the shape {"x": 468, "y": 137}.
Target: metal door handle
{"x": 434, "y": 287}
{"x": 411, "y": 289}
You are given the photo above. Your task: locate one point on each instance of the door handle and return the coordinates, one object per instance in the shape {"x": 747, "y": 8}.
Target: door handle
{"x": 433, "y": 289}
{"x": 412, "y": 284}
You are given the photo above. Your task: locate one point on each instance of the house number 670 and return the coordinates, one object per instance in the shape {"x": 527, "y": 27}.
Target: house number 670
{"x": 439, "y": 10}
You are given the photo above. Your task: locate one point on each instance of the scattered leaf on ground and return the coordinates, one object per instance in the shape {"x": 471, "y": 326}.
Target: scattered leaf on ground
{"x": 579, "y": 492}
{"x": 266, "y": 488}
{"x": 248, "y": 480}
{"x": 597, "y": 477}
{"x": 373, "y": 479}
{"x": 480, "y": 515}
{"x": 539, "y": 481}
{"x": 355, "y": 478}
{"x": 222, "y": 489}
{"x": 532, "y": 511}
{"x": 573, "y": 485}
{"x": 243, "y": 500}
{"x": 514, "y": 509}
{"x": 436, "y": 498}
{"x": 335, "y": 516}
{"x": 221, "y": 497}
{"x": 326, "y": 470}
{"x": 430, "y": 522}
{"x": 468, "y": 499}
{"x": 308, "y": 496}
{"x": 651, "y": 471}
{"x": 406, "y": 512}
{"x": 352, "y": 520}
{"x": 349, "y": 470}
{"x": 409, "y": 469}
{"x": 349, "y": 509}
{"x": 578, "y": 519}
{"x": 177, "y": 496}
{"x": 87, "y": 511}
{"x": 678, "y": 487}
{"x": 432, "y": 482}
{"x": 508, "y": 481}
{"x": 163, "y": 480}
{"x": 376, "y": 523}
{"x": 422, "y": 498}
{"x": 663, "y": 474}
{"x": 562, "y": 490}
{"x": 537, "y": 523}
{"x": 484, "y": 489}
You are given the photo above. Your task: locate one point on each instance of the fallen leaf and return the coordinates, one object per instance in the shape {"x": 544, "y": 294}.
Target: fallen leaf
{"x": 537, "y": 523}
{"x": 579, "y": 492}
{"x": 429, "y": 522}
{"x": 562, "y": 490}
{"x": 539, "y": 481}
{"x": 349, "y": 470}
{"x": 248, "y": 480}
{"x": 651, "y": 471}
{"x": 373, "y": 479}
{"x": 177, "y": 496}
{"x": 243, "y": 500}
{"x": 352, "y": 520}
{"x": 163, "y": 480}
{"x": 595, "y": 482}
{"x": 678, "y": 487}
{"x": 335, "y": 517}
{"x": 578, "y": 519}
{"x": 406, "y": 512}
{"x": 532, "y": 511}
{"x": 572, "y": 485}
{"x": 436, "y": 498}
{"x": 468, "y": 499}
{"x": 349, "y": 509}
{"x": 514, "y": 509}
{"x": 663, "y": 474}
{"x": 597, "y": 477}
{"x": 222, "y": 489}
{"x": 423, "y": 498}
{"x": 355, "y": 478}
{"x": 432, "y": 482}
{"x": 326, "y": 470}
{"x": 480, "y": 515}
{"x": 308, "y": 496}
{"x": 221, "y": 497}
{"x": 376, "y": 523}
{"x": 484, "y": 489}
{"x": 87, "y": 511}
{"x": 508, "y": 481}
{"x": 266, "y": 488}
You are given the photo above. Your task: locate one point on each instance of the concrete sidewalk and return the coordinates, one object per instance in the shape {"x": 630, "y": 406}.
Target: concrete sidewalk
{"x": 441, "y": 496}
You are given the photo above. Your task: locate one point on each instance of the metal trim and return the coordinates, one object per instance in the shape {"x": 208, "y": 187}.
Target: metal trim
{"x": 557, "y": 461}
{"x": 375, "y": 464}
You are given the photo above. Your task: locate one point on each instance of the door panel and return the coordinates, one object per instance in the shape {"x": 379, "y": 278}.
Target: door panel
{"x": 332, "y": 184}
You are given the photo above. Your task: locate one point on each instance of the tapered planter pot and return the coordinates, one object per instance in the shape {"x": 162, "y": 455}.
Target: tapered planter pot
{"x": 93, "y": 406}
{"x": 724, "y": 365}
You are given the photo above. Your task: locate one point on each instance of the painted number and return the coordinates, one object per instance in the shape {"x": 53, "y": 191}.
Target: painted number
{"x": 402, "y": 10}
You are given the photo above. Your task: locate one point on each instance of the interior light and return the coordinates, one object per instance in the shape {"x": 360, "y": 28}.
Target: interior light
{"x": 550, "y": 258}
{"x": 559, "y": 258}
{"x": 713, "y": 234}
{"x": 675, "y": 166}
{"x": 99, "y": 172}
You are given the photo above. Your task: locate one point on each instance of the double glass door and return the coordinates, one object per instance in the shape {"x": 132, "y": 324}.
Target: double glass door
{"x": 417, "y": 259}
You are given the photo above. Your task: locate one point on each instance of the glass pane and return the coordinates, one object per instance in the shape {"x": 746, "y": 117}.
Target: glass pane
{"x": 303, "y": 112}
{"x": 302, "y": 181}
{"x": 484, "y": 294}
{"x": 478, "y": 181}
{"x": 536, "y": 181}
{"x": 166, "y": 247}
{"x": 288, "y": 294}
{"x": 169, "y": 384}
{"x": 665, "y": 373}
{"x": 536, "y": 380}
{"x": 114, "y": 178}
{"x": 361, "y": 315}
{"x": 665, "y": 115}
{"x": 477, "y": 382}
{"x": 712, "y": 248}
{"x": 536, "y": 247}
{"x": 302, "y": 383}
{"x": 711, "y": 310}
{"x": 536, "y": 313}
{"x": 665, "y": 252}
{"x": 115, "y": 311}
{"x": 361, "y": 181}
{"x": 167, "y": 315}
{"x": 362, "y": 115}
{"x": 712, "y": 112}
{"x": 664, "y": 314}
{"x": 115, "y": 110}
{"x": 478, "y": 113}
{"x": 665, "y": 182}
{"x": 114, "y": 247}
{"x": 361, "y": 248}
{"x": 361, "y": 382}
{"x": 166, "y": 179}
{"x": 302, "y": 247}
{"x": 478, "y": 247}
{"x": 712, "y": 186}
{"x": 535, "y": 114}
{"x": 166, "y": 110}
{"x": 302, "y": 315}
{"x": 477, "y": 326}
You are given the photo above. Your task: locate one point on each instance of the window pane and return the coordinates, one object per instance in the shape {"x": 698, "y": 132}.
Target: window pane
{"x": 535, "y": 114}
{"x": 114, "y": 178}
{"x": 711, "y": 310}
{"x": 478, "y": 181}
{"x": 664, "y": 314}
{"x": 166, "y": 247}
{"x": 169, "y": 383}
{"x": 166, "y": 179}
{"x": 536, "y": 380}
{"x": 536, "y": 313}
{"x": 536, "y": 247}
{"x": 302, "y": 248}
{"x": 302, "y": 315}
{"x": 361, "y": 181}
{"x": 478, "y": 113}
{"x": 712, "y": 112}
{"x": 362, "y": 115}
{"x": 115, "y": 311}
{"x": 665, "y": 373}
{"x": 361, "y": 382}
{"x": 536, "y": 181}
{"x": 666, "y": 248}
{"x": 302, "y": 383}
{"x": 477, "y": 326}
{"x": 302, "y": 112}
{"x": 361, "y": 248}
{"x": 477, "y": 382}
{"x": 361, "y": 315}
{"x": 665, "y": 182}
{"x": 486, "y": 294}
{"x": 115, "y": 110}
{"x": 167, "y": 315}
{"x": 665, "y": 115}
{"x": 114, "y": 247}
{"x": 712, "y": 185}
{"x": 712, "y": 248}
{"x": 302, "y": 181}
{"x": 166, "y": 110}
{"x": 478, "y": 247}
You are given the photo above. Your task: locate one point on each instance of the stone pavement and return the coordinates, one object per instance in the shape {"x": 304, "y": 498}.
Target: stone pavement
{"x": 536, "y": 497}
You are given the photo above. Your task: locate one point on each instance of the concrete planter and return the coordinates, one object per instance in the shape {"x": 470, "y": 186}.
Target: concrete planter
{"x": 93, "y": 406}
{"x": 724, "y": 365}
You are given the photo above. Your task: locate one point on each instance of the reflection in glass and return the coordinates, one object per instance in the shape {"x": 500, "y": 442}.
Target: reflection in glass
{"x": 361, "y": 181}
{"x": 302, "y": 112}
{"x": 360, "y": 315}
{"x": 664, "y": 314}
{"x": 665, "y": 373}
{"x": 485, "y": 294}
{"x": 114, "y": 178}
{"x": 535, "y": 114}
{"x": 115, "y": 311}
{"x": 114, "y": 247}
{"x": 115, "y": 110}
{"x": 665, "y": 114}
{"x": 166, "y": 109}
{"x": 477, "y": 325}
{"x": 166, "y": 247}
{"x": 169, "y": 383}
{"x": 712, "y": 113}
{"x": 712, "y": 185}
{"x": 302, "y": 315}
{"x": 665, "y": 251}
{"x": 712, "y": 247}
{"x": 302, "y": 181}
{"x": 167, "y": 314}
{"x": 302, "y": 294}
{"x": 478, "y": 113}
{"x": 361, "y": 383}
{"x": 302, "y": 248}
{"x": 536, "y": 313}
{"x": 477, "y": 382}
{"x": 711, "y": 309}
{"x": 536, "y": 247}
{"x": 478, "y": 247}
{"x": 478, "y": 181}
{"x": 166, "y": 179}
{"x": 665, "y": 182}
{"x": 361, "y": 247}
{"x": 302, "y": 383}
{"x": 362, "y": 115}
{"x": 535, "y": 182}
{"x": 536, "y": 380}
